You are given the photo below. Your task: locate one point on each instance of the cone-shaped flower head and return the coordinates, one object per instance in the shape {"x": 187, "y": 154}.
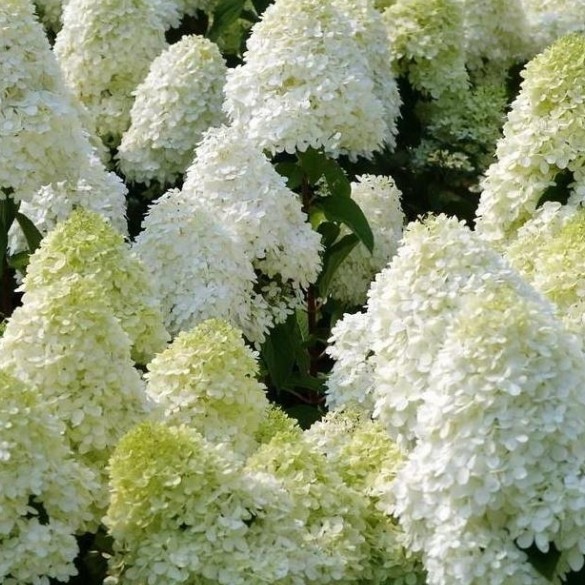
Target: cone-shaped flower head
{"x": 105, "y": 49}
{"x": 183, "y": 511}
{"x": 308, "y": 79}
{"x": 232, "y": 179}
{"x": 198, "y": 269}
{"x": 427, "y": 44}
{"x": 65, "y": 342}
{"x": 43, "y": 142}
{"x": 379, "y": 199}
{"x": 180, "y": 98}
{"x": 206, "y": 380}
{"x": 87, "y": 247}
{"x": 544, "y": 136}
{"x": 45, "y": 493}
{"x": 499, "y": 465}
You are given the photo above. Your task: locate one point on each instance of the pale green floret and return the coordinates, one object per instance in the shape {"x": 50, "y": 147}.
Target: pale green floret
{"x": 85, "y": 246}
{"x": 45, "y": 493}
{"x": 206, "y": 379}
{"x": 277, "y": 421}
{"x": 427, "y": 44}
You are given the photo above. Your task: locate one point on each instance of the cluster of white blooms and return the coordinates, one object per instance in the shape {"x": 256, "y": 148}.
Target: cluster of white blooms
{"x": 45, "y": 493}
{"x": 198, "y": 269}
{"x": 206, "y": 380}
{"x": 409, "y": 305}
{"x": 65, "y": 342}
{"x": 43, "y": 143}
{"x": 427, "y": 44}
{"x": 496, "y": 32}
{"x": 309, "y": 78}
{"x": 232, "y": 179}
{"x": 180, "y": 98}
{"x": 549, "y": 252}
{"x": 543, "y": 136}
{"x": 499, "y": 465}
{"x": 367, "y": 460}
{"x": 551, "y": 19}
{"x": 105, "y": 49}
{"x": 182, "y": 510}
{"x": 379, "y": 199}
{"x": 85, "y": 246}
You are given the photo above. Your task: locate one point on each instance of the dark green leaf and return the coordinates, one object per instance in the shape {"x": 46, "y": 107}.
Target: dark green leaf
{"x": 292, "y": 172}
{"x": 279, "y": 351}
{"x": 30, "y": 231}
{"x": 19, "y": 261}
{"x": 305, "y": 415}
{"x": 337, "y": 181}
{"x": 225, "y": 14}
{"x": 8, "y": 211}
{"x": 261, "y": 5}
{"x": 332, "y": 258}
{"x": 544, "y": 563}
{"x": 559, "y": 191}
{"x": 329, "y": 231}
{"x": 313, "y": 164}
{"x": 347, "y": 211}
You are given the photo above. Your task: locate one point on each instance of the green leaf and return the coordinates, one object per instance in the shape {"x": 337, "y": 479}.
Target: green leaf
{"x": 332, "y": 258}
{"x": 225, "y": 14}
{"x": 8, "y": 211}
{"x": 329, "y": 232}
{"x": 337, "y": 181}
{"x": 313, "y": 164}
{"x": 292, "y": 172}
{"x": 305, "y": 415}
{"x": 30, "y": 231}
{"x": 261, "y": 5}
{"x": 279, "y": 352}
{"x": 544, "y": 563}
{"x": 19, "y": 261}
{"x": 559, "y": 191}
{"x": 347, "y": 211}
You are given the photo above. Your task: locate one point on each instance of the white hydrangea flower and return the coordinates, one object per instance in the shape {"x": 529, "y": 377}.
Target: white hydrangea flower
{"x": 379, "y": 199}
{"x": 206, "y": 380}
{"x": 549, "y": 252}
{"x": 496, "y": 32}
{"x": 198, "y": 269}
{"x": 182, "y": 510}
{"x": 330, "y": 542}
{"x": 427, "y": 44}
{"x": 367, "y": 460}
{"x": 105, "y": 49}
{"x": 43, "y": 143}
{"x": 86, "y": 247}
{"x": 45, "y": 492}
{"x": 543, "y": 136}
{"x": 309, "y": 79}
{"x": 65, "y": 342}
{"x": 180, "y": 98}
{"x": 233, "y": 180}
{"x": 499, "y": 465}
{"x": 551, "y": 19}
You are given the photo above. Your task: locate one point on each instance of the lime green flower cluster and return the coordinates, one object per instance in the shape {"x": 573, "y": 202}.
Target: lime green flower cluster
{"x": 206, "y": 380}
{"x": 45, "y": 493}
{"x": 86, "y": 247}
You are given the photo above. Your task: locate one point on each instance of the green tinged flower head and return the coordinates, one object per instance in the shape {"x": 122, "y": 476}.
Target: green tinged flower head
{"x": 427, "y": 44}
{"x": 206, "y": 379}
{"x": 65, "y": 342}
{"x": 86, "y": 247}
{"x": 361, "y": 451}
{"x": 543, "y": 136}
{"x": 276, "y": 421}
{"x": 182, "y": 510}
{"x": 45, "y": 493}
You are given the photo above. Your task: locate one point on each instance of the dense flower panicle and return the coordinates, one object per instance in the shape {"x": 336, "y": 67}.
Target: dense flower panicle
{"x": 499, "y": 465}
{"x": 180, "y": 98}
{"x": 276, "y": 421}
{"x": 549, "y": 252}
{"x": 105, "y": 49}
{"x": 551, "y": 19}
{"x": 206, "y": 380}
{"x": 497, "y": 34}
{"x": 330, "y": 542}
{"x": 427, "y": 44}
{"x": 45, "y": 493}
{"x": 44, "y": 145}
{"x": 183, "y": 511}
{"x": 87, "y": 247}
{"x": 379, "y": 199}
{"x": 198, "y": 269}
{"x": 308, "y": 79}
{"x": 233, "y": 180}
{"x": 544, "y": 138}
{"x": 409, "y": 305}
{"x": 65, "y": 342}
{"x": 360, "y": 450}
